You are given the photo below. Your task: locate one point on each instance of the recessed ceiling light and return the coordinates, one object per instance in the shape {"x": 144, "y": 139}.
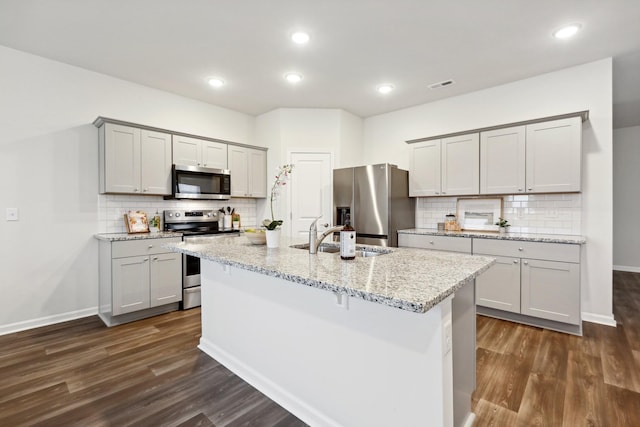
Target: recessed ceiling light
{"x": 385, "y": 88}
{"x": 215, "y": 82}
{"x": 293, "y": 77}
{"x": 567, "y": 32}
{"x": 300, "y": 37}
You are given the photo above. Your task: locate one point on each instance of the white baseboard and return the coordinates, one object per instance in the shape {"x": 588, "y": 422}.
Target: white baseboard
{"x": 626, "y": 268}
{"x": 46, "y": 321}
{"x": 288, "y": 401}
{"x": 599, "y": 318}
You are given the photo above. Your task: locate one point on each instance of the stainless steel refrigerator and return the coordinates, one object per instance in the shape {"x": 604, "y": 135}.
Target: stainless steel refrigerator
{"x": 377, "y": 199}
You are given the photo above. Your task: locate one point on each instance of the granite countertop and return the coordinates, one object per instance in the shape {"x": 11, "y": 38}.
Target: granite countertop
{"x": 409, "y": 279}
{"x": 528, "y": 237}
{"x": 112, "y": 237}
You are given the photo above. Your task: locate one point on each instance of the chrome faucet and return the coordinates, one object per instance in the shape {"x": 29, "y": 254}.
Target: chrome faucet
{"x": 314, "y": 240}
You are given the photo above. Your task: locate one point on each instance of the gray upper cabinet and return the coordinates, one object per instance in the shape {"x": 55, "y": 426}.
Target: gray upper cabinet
{"x": 533, "y": 157}
{"x": 134, "y": 161}
{"x": 424, "y": 175}
{"x": 445, "y": 167}
{"x": 248, "y": 172}
{"x": 461, "y": 165}
{"x": 199, "y": 152}
{"x": 502, "y": 161}
{"x": 537, "y": 158}
{"x": 554, "y": 156}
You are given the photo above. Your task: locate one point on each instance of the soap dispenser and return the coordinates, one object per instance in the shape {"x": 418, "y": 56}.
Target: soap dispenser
{"x": 348, "y": 240}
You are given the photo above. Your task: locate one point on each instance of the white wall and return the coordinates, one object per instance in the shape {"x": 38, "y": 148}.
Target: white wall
{"x": 306, "y": 129}
{"x": 626, "y": 199}
{"x": 49, "y": 171}
{"x": 585, "y": 87}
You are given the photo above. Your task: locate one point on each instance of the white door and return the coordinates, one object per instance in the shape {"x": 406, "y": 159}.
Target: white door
{"x": 311, "y": 191}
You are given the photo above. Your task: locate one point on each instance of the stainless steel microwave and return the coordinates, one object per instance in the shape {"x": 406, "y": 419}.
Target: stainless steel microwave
{"x": 192, "y": 182}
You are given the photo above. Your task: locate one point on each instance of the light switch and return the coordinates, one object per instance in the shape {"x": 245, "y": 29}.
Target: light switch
{"x": 12, "y": 214}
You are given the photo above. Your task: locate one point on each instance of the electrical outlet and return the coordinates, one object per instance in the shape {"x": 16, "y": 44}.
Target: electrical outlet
{"x": 12, "y": 214}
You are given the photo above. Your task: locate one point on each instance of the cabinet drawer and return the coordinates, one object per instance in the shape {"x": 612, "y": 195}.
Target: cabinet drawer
{"x": 535, "y": 250}
{"x": 440, "y": 243}
{"x": 128, "y": 248}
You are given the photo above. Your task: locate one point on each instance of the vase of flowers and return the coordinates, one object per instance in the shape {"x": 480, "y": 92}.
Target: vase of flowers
{"x": 273, "y": 232}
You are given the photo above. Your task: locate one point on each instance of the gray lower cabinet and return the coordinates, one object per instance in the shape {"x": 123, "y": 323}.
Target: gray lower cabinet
{"x": 439, "y": 243}
{"x": 551, "y": 290}
{"x": 534, "y": 279}
{"x": 499, "y": 287}
{"x": 138, "y": 279}
{"x": 536, "y": 283}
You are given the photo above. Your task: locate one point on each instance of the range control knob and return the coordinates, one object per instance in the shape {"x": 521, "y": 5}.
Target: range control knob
{"x": 177, "y": 214}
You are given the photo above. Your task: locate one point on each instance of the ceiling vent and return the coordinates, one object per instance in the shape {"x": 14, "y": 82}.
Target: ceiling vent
{"x": 441, "y": 84}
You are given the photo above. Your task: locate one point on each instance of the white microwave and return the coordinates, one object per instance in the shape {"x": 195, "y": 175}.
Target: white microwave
{"x": 192, "y": 182}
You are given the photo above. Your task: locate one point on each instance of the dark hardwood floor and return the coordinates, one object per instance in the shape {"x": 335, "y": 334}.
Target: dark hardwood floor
{"x": 528, "y": 376}
{"x": 150, "y": 373}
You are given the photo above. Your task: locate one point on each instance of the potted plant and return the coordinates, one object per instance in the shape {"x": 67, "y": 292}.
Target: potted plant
{"x": 272, "y": 224}
{"x": 503, "y": 225}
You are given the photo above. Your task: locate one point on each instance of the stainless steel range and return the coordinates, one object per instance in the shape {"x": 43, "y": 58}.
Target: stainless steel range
{"x": 199, "y": 226}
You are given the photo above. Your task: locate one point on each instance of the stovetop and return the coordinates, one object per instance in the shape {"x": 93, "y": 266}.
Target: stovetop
{"x": 194, "y": 222}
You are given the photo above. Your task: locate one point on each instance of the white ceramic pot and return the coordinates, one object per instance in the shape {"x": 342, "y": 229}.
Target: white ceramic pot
{"x": 273, "y": 238}
{"x": 502, "y": 230}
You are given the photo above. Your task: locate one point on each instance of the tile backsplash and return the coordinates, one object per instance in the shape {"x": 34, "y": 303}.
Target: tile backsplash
{"x": 112, "y": 207}
{"x": 533, "y": 213}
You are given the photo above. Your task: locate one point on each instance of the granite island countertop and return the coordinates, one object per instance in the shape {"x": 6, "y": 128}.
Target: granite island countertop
{"x": 408, "y": 279}
{"x": 113, "y": 237}
{"x": 524, "y": 237}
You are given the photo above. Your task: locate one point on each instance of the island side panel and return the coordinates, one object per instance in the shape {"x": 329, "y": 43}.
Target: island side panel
{"x": 463, "y": 308}
{"x": 329, "y": 363}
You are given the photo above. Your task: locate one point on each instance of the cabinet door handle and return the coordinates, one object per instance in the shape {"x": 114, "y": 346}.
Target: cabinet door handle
{"x": 135, "y": 189}
{"x": 520, "y": 249}
{"x": 155, "y": 258}
{"x": 519, "y": 189}
{"x": 515, "y": 261}
{"x": 530, "y": 188}
{"x": 437, "y": 192}
{"x": 526, "y": 262}
{"x": 150, "y": 246}
{"x": 431, "y": 242}
{"x": 444, "y": 192}
{"x": 145, "y": 190}
{"x": 146, "y": 259}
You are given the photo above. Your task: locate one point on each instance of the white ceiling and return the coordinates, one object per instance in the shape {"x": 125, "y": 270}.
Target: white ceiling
{"x": 356, "y": 44}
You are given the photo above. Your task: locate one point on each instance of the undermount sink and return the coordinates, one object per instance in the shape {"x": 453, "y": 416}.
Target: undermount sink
{"x": 365, "y": 253}
{"x": 322, "y": 248}
{"x": 360, "y": 252}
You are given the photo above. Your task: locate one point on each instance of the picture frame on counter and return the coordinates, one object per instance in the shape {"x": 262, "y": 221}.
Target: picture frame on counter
{"x": 479, "y": 214}
{"x": 136, "y": 222}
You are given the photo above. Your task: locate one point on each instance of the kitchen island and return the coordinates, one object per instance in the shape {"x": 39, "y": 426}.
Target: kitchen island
{"x": 380, "y": 340}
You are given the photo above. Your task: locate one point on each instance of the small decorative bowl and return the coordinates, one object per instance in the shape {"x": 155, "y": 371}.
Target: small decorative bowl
{"x": 256, "y": 237}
